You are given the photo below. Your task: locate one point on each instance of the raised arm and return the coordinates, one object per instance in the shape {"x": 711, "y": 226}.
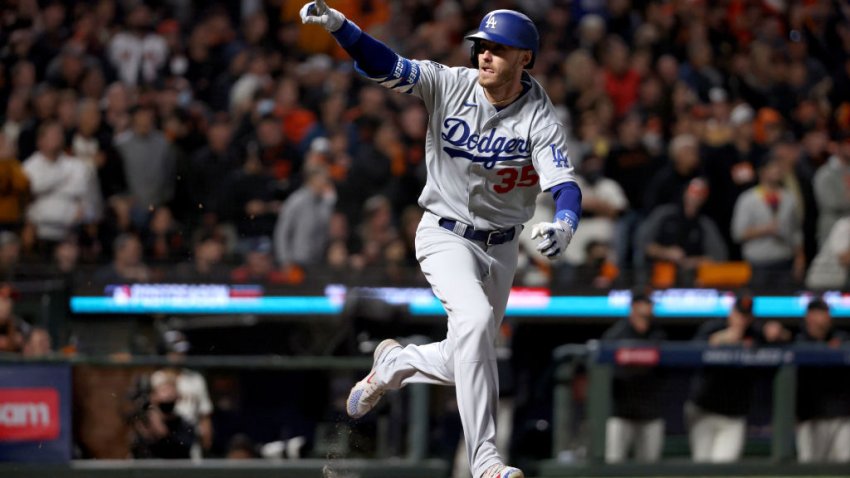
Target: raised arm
{"x": 372, "y": 58}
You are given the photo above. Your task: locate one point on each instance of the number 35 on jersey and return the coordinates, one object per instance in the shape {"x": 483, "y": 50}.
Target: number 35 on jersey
{"x": 526, "y": 177}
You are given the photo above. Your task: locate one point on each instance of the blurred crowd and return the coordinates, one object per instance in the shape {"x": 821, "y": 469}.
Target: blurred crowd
{"x": 227, "y": 138}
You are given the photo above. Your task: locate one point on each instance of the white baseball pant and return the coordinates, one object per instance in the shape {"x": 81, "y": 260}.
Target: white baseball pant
{"x": 714, "y": 438}
{"x": 473, "y": 284}
{"x": 623, "y": 434}
{"x": 824, "y": 440}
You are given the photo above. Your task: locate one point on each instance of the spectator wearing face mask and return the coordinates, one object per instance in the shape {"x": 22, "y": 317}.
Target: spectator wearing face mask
{"x": 193, "y": 402}
{"x": 602, "y": 203}
{"x": 160, "y": 431}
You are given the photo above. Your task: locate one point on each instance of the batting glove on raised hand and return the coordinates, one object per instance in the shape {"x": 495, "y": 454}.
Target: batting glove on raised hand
{"x": 319, "y": 13}
{"x": 556, "y": 237}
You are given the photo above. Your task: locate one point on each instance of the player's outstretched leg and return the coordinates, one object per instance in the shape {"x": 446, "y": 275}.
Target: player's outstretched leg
{"x": 366, "y": 393}
{"x": 502, "y": 471}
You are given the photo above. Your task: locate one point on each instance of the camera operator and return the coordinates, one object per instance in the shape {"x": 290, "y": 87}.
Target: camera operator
{"x": 160, "y": 431}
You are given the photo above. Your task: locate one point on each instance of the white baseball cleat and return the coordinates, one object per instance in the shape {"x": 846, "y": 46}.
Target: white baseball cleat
{"x": 366, "y": 393}
{"x": 502, "y": 471}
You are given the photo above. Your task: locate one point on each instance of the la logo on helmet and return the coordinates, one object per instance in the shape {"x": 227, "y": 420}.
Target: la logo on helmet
{"x": 491, "y": 22}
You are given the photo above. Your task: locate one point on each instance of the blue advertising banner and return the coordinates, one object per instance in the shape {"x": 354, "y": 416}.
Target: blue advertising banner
{"x": 420, "y": 301}
{"x": 35, "y": 413}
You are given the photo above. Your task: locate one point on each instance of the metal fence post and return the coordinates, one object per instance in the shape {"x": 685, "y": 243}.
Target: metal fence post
{"x": 562, "y": 405}
{"x": 417, "y": 433}
{"x": 784, "y": 405}
{"x": 566, "y": 358}
{"x": 598, "y": 406}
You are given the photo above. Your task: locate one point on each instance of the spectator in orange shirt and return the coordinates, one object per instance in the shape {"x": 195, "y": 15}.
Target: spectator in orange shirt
{"x": 14, "y": 186}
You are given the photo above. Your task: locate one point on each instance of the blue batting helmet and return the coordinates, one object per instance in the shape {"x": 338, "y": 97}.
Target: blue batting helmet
{"x": 506, "y": 27}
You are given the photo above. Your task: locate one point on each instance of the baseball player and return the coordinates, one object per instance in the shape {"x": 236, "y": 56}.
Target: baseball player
{"x": 636, "y": 422}
{"x": 716, "y": 411}
{"x": 493, "y": 143}
{"x": 823, "y": 394}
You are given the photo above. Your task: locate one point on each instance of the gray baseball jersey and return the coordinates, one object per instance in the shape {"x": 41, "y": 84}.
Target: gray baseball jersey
{"x": 485, "y": 166}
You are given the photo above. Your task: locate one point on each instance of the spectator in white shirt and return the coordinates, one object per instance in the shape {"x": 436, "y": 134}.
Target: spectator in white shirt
{"x": 602, "y": 203}
{"x": 831, "y": 188}
{"x": 59, "y": 187}
{"x": 831, "y": 265}
{"x": 137, "y": 53}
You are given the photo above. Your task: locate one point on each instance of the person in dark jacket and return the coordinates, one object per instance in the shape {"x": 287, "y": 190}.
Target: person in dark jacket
{"x": 160, "y": 431}
{"x": 636, "y": 422}
{"x": 823, "y": 394}
{"x": 720, "y": 396}
{"x": 681, "y": 234}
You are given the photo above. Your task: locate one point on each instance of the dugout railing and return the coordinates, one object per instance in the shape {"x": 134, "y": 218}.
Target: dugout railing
{"x": 598, "y": 359}
{"x": 415, "y": 461}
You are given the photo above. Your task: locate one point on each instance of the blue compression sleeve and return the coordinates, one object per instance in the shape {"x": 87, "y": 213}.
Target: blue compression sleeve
{"x": 567, "y": 203}
{"x": 372, "y": 57}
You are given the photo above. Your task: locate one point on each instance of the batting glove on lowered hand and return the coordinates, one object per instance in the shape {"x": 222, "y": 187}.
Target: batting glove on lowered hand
{"x": 319, "y": 13}
{"x": 556, "y": 237}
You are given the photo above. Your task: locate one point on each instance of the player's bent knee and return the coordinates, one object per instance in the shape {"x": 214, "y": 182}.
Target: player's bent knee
{"x": 474, "y": 323}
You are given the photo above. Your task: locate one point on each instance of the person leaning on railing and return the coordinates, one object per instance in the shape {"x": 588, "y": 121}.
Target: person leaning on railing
{"x": 823, "y": 394}
{"x": 719, "y": 401}
{"x": 636, "y": 422}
